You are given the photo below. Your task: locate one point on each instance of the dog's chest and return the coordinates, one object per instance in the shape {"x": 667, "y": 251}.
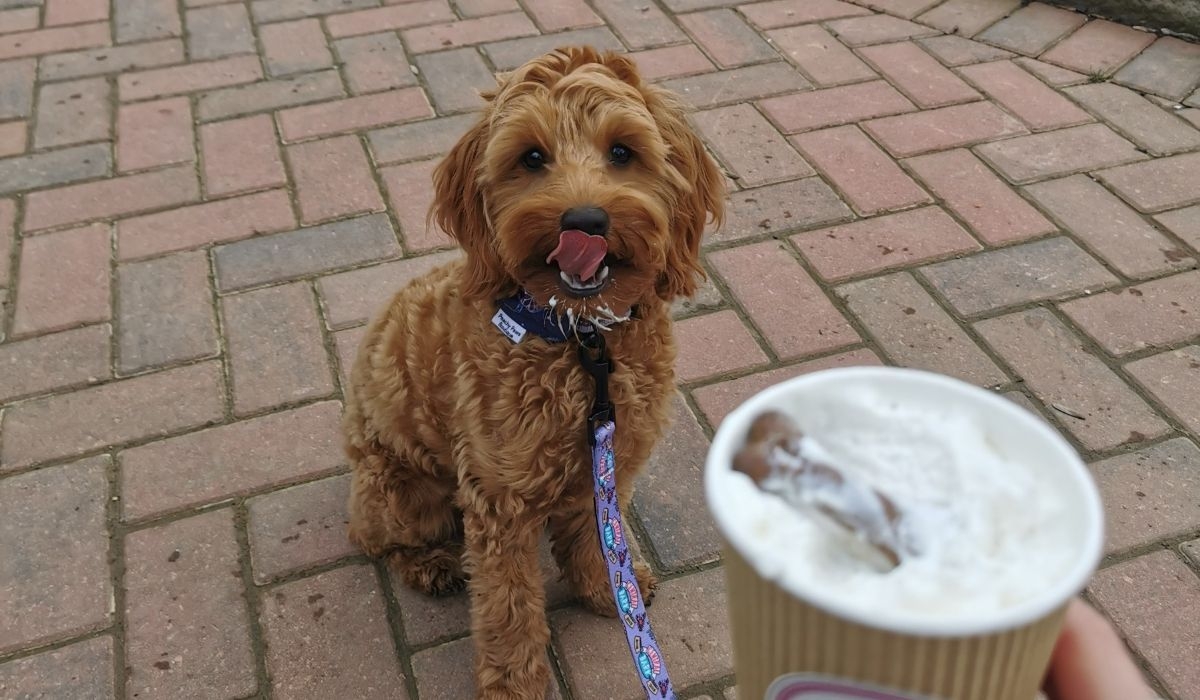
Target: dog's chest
{"x": 536, "y": 422}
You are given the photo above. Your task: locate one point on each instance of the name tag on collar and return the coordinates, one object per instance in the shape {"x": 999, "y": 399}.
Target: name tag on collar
{"x": 508, "y": 326}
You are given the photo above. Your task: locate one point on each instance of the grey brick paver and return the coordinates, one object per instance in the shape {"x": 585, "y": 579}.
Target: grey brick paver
{"x": 202, "y": 202}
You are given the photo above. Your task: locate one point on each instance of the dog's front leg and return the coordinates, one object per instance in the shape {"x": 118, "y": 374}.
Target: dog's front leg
{"x": 508, "y": 608}
{"x": 577, "y": 549}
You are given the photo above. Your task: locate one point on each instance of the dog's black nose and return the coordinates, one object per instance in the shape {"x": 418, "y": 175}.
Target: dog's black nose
{"x": 593, "y": 220}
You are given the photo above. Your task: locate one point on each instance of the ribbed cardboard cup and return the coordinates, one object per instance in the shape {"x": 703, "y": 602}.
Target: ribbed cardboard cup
{"x": 793, "y": 641}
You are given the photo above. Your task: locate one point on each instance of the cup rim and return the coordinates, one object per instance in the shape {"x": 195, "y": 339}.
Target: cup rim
{"x": 733, "y": 428}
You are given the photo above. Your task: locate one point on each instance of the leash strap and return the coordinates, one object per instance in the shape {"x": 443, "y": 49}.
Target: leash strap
{"x": 643, "y": 646}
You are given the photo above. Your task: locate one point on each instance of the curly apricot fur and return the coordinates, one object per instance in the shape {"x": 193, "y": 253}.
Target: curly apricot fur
{"x": 464, "y": 446}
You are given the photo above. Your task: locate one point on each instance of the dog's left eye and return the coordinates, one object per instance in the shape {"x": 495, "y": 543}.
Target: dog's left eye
{"x": 620, "y": 154}
{"x": 533, "y": 159}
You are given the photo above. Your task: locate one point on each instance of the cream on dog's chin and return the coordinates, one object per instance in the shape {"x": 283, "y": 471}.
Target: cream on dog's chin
{"x": 586, "y": 188}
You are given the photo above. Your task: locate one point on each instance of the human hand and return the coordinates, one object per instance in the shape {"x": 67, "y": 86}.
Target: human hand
{"x": 1091, "y": 663}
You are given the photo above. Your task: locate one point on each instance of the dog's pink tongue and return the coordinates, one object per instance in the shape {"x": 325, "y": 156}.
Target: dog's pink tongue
{"x": 579, "y": 253}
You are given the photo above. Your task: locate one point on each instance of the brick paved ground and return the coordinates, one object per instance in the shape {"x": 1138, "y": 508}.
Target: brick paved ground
{"x": 202, "y": 201}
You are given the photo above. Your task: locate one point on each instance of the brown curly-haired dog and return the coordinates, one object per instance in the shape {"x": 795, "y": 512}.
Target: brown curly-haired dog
{"x": 465, "y": 445}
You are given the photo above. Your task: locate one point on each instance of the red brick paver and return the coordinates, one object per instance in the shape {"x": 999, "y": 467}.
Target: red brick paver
{"x": 1147, "y": 597}
{"x": 188, "y": 628}
{"x": 203, "y": 202}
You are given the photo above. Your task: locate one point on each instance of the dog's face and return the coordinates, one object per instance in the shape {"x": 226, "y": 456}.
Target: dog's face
{"x": 582, "y": 185}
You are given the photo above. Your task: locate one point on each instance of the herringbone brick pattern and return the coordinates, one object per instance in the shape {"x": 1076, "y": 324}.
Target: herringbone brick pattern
{"x": 201, "y": 203}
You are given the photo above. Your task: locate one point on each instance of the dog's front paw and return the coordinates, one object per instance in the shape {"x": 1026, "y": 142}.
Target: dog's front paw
{"x": 534, "y": 683}
{"x": 600, "y": 602}
{"x": 647, "y": 581}
{"x": 434, "y": 571}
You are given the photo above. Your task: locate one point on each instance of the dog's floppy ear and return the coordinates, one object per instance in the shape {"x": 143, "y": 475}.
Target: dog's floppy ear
{"x": 704, "y": 198}
{"x": 459, "y": 209}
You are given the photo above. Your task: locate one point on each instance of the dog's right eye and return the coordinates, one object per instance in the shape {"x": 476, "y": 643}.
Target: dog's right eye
{"x": 533, "y": 159}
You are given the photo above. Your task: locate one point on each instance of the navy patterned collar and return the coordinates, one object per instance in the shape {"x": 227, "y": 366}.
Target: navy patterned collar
{"x": 520, "y": 314}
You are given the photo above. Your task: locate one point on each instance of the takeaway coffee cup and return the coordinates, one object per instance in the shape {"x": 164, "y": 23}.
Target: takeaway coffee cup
{"x": 1002, "y": 519}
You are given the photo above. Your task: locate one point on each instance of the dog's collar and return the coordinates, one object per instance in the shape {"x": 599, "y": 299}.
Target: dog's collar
{"x": 518, "y": 315}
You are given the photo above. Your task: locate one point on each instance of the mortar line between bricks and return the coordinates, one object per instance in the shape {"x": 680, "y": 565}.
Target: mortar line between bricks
{"x": 802, "y": 72}
{"x": 185, "y": 35}
{"x": 941, "y": 203}
{"x": 1147, "y": 670}
{"x": 720, "y": 101}
{"x": 1149, "y": 218}
{"x": 403, "y": 652}
{"x": 698, "y": 311}
{"x": 570, "y": 603}
{"x": 254, "y": 624}
{"x": 920, "y": 43}
{"x": 705, "y": 426}
{"x": 186, "y": 511}
{"x": 114, "y": 305}
{"x": 422, "y": 81}
{"x": 967, "y": 328}
{"x": 673, "y": 17}
{"x": 1160, "y": 408}
{"x": 114, "y": 175}
{"x": 166, "y": 209}
{"x": 8, "y": 312}
{"x": 92, "y": 383}
{"x": 645, "y": 545}
{"x": 308, "y": 571}
{"x": 868, "y": 274}
{"x": 339, "y": 63}
{"x": 533, "y": 19}
{"x": 915, "y": 20}
{"x": 1005, "y": 309}
{"x": 718, "y": 246}
{"x": 166, "y": 435}
{"x": 193, "y": 102}
{"x": 259, "y": 48}
{"x": 736, "y": 306}
{"x": 384, "y": 193}
{"x": 116, "y": 563}
{"x": 866, "y": 338}
{"x": 558, "y": 665}
{"x": 316, "y": 276}
{"x": 711, "y": 688}
{"x": 1055, "y": 420}
{"x": 291, "y": 184}
{"x": 704, "y": 50}
{"x": 332, "y": 363}
{"x": 56, "y": 644}
{"x": 1171, "y": 416}
{"x": 1045, "y": 50}
{"x": 703, "y": 690}
{"x": 1092, "y": 347}
{"x": 980, "y": 95}
{"x": 1125, "y": 133}
{"x": 1089, "y": 248}
{"x": 65, "y": 388}
{"x": 1019, "y": 190}
{"x": 778, "y": 364}
{"x": 1170, "y": 543}
{"x": 828, "y": 179}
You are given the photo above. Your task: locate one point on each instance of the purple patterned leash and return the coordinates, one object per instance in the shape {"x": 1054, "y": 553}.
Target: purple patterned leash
{"x": 614, "y": 544}
{"x": 651, "y": 667}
